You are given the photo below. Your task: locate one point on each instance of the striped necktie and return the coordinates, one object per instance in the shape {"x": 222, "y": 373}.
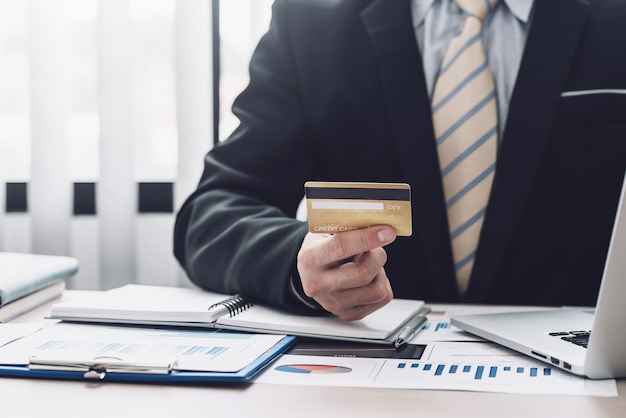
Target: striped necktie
{"x": 465, "y": 120}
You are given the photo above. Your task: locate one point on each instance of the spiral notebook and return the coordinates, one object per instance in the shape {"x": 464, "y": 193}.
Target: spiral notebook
{"x": 395, "y": 323}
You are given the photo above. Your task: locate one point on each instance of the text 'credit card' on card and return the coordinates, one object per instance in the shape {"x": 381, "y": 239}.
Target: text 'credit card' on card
{"x": 334, "y": 207}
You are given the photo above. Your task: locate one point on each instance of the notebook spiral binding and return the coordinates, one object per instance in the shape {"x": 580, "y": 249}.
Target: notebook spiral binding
{"x": 235, "y": 304}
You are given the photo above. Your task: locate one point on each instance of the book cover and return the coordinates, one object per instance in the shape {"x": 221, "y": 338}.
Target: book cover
{"x": 31, "y": 301}
{"x": 22, "y": 274}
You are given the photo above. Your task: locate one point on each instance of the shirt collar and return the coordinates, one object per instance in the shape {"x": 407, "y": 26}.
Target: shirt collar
{"x": 520, "y": 9}
{"x": 420, "y": 8}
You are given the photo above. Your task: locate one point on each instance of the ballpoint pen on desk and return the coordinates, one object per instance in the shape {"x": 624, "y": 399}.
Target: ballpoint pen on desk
{"x": 410, "y": 330}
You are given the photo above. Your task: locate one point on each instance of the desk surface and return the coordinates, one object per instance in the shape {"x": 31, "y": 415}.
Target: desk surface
{"x": 36, "y": 398}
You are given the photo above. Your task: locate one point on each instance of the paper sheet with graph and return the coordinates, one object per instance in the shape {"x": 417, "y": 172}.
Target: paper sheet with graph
{"x": 449, "y": 359}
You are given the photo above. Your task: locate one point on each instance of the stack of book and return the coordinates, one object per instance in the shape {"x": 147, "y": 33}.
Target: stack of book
{"x": 30, "y": 280}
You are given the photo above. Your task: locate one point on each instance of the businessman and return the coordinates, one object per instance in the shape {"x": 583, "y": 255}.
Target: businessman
{"x": 354, "y": 90}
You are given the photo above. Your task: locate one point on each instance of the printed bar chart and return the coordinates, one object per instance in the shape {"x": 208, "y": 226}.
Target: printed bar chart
{"x": 477, "y": 371}
{"x": 446, "y": 366}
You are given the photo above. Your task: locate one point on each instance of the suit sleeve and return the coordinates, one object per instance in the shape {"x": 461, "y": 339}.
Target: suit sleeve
{"x": 237, "y": 232}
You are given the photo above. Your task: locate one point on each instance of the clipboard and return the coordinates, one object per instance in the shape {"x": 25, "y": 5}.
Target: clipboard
{"x": 110, "y": 368}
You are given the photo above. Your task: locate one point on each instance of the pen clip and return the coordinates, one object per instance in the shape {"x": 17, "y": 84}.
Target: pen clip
{"x": 97, "y": 368}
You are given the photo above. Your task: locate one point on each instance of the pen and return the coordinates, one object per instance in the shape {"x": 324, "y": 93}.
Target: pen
{"x": 410, "y": 330}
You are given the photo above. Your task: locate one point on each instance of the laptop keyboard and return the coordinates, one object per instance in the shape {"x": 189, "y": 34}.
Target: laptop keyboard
{"x": 580, "y": 338}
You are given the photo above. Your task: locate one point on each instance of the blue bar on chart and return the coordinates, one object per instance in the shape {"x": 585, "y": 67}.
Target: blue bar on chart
{"x": 479, "y": 371}
{"x": 439, "y": 370}
{"x": 437, "y": 326}
{"x": 216, "y": 351}
{"x": 193, "y": 350}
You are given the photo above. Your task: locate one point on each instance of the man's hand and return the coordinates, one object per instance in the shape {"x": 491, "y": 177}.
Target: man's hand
{"x": 344, "y": 272}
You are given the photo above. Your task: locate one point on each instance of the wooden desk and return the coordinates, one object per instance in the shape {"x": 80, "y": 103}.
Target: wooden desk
{"x": 53, "y": 398}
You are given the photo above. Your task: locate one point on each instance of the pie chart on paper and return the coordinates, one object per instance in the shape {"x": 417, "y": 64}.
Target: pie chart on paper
{"x": 313, "y": 369}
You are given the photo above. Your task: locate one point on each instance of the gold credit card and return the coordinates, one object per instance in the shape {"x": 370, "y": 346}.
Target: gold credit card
{"x": 334, "y": 207}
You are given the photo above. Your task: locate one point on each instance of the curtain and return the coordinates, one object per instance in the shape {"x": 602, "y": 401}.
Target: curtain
{"x": 106, "y": 111}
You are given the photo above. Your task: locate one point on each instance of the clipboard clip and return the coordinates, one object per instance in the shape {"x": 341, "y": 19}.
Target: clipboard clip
{"x": 98, "y": 367}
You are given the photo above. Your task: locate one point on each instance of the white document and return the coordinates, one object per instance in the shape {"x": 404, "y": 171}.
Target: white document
{"x": 11, "y": 332}
{"x": 452, "y": 360}
{"x": 470, "y": 366}
{"x": 200, "y": 350}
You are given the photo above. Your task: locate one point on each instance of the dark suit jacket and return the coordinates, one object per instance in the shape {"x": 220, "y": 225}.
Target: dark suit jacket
{"x": 337, "y": 93}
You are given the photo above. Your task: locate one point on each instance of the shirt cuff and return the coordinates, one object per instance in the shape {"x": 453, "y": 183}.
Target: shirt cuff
{"x": 298, "y": 292}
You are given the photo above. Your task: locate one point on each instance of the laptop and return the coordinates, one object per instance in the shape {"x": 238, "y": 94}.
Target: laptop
{"x": 563, "y": 337}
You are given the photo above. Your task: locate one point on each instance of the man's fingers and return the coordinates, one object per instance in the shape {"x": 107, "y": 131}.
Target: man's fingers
{"x": 358, "y": 272}
{"x": 344, "y": 273}
{"x": 357, "y": 303}
{"x": 361, "y": 269}
{"x": 349, "y": 244}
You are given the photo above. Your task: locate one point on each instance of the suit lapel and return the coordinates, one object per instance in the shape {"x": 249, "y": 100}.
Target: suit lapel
{"x": 550, "y": 48}
{"x": 389, "y": 26}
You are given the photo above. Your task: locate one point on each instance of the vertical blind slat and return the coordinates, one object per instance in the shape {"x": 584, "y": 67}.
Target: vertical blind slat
{"x": 193, "y": 95}
{"x": 117, "y": 244}
{"x": 116, "y": 190}
{"x": 49, "y": 189}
